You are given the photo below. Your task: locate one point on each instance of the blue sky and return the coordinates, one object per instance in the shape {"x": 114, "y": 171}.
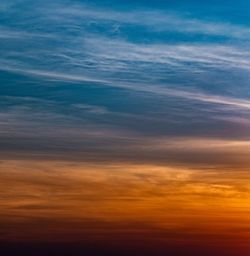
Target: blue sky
{"x": 103, "y": 79}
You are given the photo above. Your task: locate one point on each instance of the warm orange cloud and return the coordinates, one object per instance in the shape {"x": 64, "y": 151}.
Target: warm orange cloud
{"x": 64, "y": 201}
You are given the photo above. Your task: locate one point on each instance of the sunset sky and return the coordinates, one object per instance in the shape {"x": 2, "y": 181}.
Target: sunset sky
{"x": 125, "y": 128}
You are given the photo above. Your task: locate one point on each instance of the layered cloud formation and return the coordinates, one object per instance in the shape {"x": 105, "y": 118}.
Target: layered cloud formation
{"x": 108, "y": 96}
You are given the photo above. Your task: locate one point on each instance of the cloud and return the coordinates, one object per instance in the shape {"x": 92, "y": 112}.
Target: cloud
{"x": 87, "y": 57}
{"x": 152, "y": 89}
{"x": 58, "y": 137}
{"x": 193, "y": 57}
{"x": 66, "y": 201}
{"x": 92, "y": 109}
{"x": 52, "y": 75}
{"x": 161, "y": 88}
{"x": 10, "y": 34}
{"x": 158, "y": 21}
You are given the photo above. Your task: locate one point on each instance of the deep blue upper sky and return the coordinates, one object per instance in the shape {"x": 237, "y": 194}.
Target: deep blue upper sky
{"x": 99, "y": 78}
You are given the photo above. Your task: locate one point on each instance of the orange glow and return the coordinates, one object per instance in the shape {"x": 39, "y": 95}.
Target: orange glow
{"x": 64, "y": 201}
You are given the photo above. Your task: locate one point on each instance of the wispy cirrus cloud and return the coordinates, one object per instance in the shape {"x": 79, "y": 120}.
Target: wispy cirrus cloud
{"x": 152, "y": 89}
{"x": 206, "y": 55}
{"x": 158, "y": 21}
{"x": 175, "y": 84}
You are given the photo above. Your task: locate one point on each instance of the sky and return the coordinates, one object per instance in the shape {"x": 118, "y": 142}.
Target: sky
{"x": 125, "y": 127}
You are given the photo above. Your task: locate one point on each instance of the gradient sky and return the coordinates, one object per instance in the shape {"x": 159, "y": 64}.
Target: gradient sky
{"x": 125, "y": 127}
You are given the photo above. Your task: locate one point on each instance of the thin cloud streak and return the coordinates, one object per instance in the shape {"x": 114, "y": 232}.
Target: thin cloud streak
{"x": 158, "y": 21}
{"x": 154, "y": 89}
